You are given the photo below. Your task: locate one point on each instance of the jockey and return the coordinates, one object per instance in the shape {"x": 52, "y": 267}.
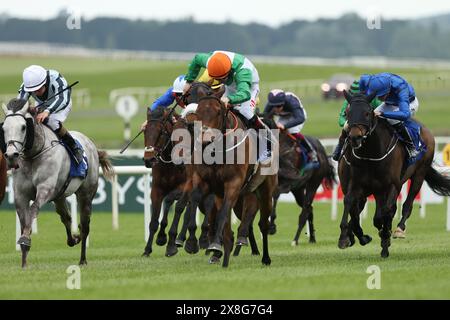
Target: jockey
{"x": 40, "y": 84}
{"x": 354, "y": 88}
{"x": 174, "y": 92}
{"x": 400, "y": 103}
{"x": 280, "y": 101}
{"x": 241, "y": 80}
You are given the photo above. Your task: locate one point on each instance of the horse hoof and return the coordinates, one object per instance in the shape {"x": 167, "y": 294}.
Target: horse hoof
{"x": 294, "y": 243}
{"x": 161, "y": 240}
{"x": 365, "y": 239}
{"x": 191, "y": 246}
{"x": 272, "y": 229}
{"x": 179, "y": 243}
{"x": 171, "y": 251}
{"x": 312, "y": 240}
{"x": 214, "y": 260}
{"x": 242, "y": 241}
{"x": 385, "y": 253}
{"x": 24, "y": 242}
{"x": 344, "y": 243}
{"x": 216, "y": 248}
{"x": 399, "y": 233}
{"x": 266, "y": 261}
{"x": 204, "y": 243}
{"x": 83, "y": 262}
{"x": 255, "y": 253}
{"x": 237, "y": 251}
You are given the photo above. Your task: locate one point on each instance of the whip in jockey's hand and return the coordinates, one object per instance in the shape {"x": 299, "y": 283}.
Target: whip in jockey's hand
{"x": 144, "y": 125}
{"x": 280, "y": 126}
{"x": 377, "y": 113}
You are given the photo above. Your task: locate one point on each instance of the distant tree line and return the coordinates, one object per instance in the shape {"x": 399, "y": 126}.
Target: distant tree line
{"x": 341, "y": 37}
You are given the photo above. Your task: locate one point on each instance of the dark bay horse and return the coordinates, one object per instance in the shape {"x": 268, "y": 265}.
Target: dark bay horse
{"x": 3, "y": 176}
{"x": 168, "y": 180}
{"x": 302, "y": 185}
{"x": 375, "y": 164}
{"x": 228, "y": 181}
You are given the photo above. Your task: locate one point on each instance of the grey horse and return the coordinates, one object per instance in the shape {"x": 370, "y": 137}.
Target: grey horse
{"x": 40, "y": 167}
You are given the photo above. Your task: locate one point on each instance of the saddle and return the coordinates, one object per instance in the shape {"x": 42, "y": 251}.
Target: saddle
{"x": 77, "y": 170}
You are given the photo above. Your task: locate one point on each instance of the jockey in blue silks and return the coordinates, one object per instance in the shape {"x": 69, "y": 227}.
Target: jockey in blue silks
{"x": 400, "y": 103}
{"x": 173, "y": 93}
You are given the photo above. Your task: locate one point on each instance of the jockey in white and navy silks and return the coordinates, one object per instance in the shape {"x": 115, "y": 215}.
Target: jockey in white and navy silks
{"x": 42, "y": 84}
{"x": 280, "y": 101}
{"x": 400, "y": 102}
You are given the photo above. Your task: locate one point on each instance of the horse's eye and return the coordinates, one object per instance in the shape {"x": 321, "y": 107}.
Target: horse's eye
{"x": 24, "y": 128}
{"x": 367, "y": 114}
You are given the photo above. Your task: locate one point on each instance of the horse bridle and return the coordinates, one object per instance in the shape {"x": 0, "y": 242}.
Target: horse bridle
{"x": 162, "y": 133}
{"x": 370, "y": 127}
{"x": 13, "y": 142}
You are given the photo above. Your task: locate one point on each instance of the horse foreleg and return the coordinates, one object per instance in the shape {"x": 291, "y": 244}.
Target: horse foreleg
{"x": 161, "y": 238}
{"x": 346, "y": 238}
{"x": 157, "y": 198}
{"x": 63, "y": 211}
{"x": 85, "y": 202}
{"x": 387, "y": 202}
{"x": 265, "y": 193}
{"x": 191, "y": 245}
{"x": 171, "y": 248}
{"x": 273, "y": 215}
{"x": 355, "y": 224}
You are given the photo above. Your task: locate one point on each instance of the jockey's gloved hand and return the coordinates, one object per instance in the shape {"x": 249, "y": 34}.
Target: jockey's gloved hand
{"x": 225, "y": 101}
{"x": 186, "y": 87}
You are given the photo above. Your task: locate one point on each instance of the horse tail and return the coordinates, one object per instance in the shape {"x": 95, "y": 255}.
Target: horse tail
{"x": 107, "y": 167}
{"x": 330, "y": 176}
{"x": 439, "y": 183}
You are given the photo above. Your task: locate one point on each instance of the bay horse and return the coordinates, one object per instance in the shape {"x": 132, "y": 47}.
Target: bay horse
{"x": 303, "y": 185}
{"x": 40, "y": 169}
{"x": 168, "y": 180}
{"x": 375, "y": 164}
{"x": 228, "y": 181}
{"x": 3, "y": 175}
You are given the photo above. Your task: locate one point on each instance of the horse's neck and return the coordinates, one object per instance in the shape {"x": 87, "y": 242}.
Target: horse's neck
{"x": 378, "y": 142}
{"x": 43, "y": 136}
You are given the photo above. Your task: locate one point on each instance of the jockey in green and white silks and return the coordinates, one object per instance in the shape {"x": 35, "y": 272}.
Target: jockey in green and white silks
{"x": 42, "y": 84}
{"x": 241, "y": 80}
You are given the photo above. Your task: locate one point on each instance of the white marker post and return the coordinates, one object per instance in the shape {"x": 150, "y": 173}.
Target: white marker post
{"x": 127, "y": 107}
{"x": 146, "y": 207}
{"x": 115, "y": 203}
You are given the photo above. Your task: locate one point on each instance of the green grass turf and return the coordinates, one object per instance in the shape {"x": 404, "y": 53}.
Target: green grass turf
{"x": 105, "y": 127}
{"x": 417, "y": 268}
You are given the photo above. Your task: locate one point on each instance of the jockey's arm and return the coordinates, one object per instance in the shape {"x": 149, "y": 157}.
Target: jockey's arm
{"x": 404, "y": 112}
{"x": 298, "y": 117}
{"x": 200, "y": 60}
{"x": 165, "y": 100}
{"x": 342, "y": 114}
{"x": 61, "y": 100}
{"x": 243, "y": 79}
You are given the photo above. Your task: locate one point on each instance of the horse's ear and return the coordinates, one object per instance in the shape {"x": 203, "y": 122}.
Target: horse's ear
{"x": 348, "y": 96}
{"x": 30, "y": 134}
{"x": 371, "y": 97}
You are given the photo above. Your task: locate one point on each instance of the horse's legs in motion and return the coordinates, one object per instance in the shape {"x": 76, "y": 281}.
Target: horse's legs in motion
{"x": 161, "y": 238}
{"x": 246, "y": 207}
{"x": 265, "y": 195}
{"x": 227, "y": 242}
{"x": 184, "y": 227}
{"x": 63, "y": 211}
{"x": 171, "y": 248}
{"x": 273, "y": 215}
{"x": 355, "y": 225}
{"x": 416, "y": 183}
{"x": 212, "y": 216}
{"x": 206, "y": 206}
{"x": 191, "y": 245}
{"x": 346, "y": 238}
{"x": 299, "y": 195}
{"x": 157, "y": 198}
{"x": 84, "y": 200}
{"x": 312, "y": 231}
{"x": 387, "y": 202}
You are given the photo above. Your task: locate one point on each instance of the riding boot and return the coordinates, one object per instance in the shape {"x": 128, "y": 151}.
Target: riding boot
{"x": 338, "y": 150}
{"x": 407, "y": 139}
{"x": 312, "y": 154}
{"x": 69, "y": 141}
{"x": 256, "y": 123}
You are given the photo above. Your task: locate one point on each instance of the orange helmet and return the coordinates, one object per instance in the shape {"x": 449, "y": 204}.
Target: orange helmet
{"x": 219, "y": 65}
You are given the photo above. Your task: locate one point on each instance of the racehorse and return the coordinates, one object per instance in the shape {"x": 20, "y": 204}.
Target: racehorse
{"x": 302, "y": 185}
{"x": 228, "y": 182}
{"x": 375, "y": 164}
{"x": 40, "y": 169}
{"x": 168, "y": 181}
{"x": 3, "y": 176}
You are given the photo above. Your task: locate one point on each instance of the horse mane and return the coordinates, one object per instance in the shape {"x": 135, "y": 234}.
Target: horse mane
{"x": 16, "y": 104}
{"x": 158, "y": 113}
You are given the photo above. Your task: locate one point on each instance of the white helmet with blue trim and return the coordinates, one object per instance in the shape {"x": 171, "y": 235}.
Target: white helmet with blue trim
{"x": 178, "y": 84}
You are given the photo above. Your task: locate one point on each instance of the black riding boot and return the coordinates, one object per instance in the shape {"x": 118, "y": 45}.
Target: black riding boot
{"x": 404, "y": 134}
{"x": 68, "y": 140}
{"x": 338, "y": 150}
{"x": 314, "y": 163}
{"x": 256, "y": 123}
